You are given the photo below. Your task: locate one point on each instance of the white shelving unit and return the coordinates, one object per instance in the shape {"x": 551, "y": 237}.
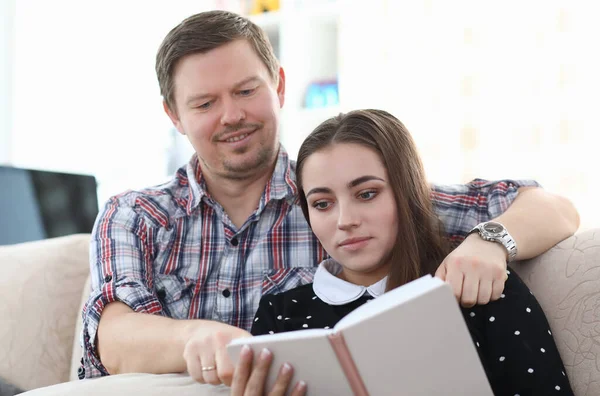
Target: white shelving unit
{"x": 305, "y": 37}
{"x": 7, "y": 38}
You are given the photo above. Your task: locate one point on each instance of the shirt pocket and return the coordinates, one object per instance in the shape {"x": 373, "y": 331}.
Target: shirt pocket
{"x": 284, "y": 279}
{"x": 175, "y": 294}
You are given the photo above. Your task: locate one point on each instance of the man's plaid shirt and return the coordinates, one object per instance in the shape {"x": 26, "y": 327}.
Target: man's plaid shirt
{"x": 172, "y": 250}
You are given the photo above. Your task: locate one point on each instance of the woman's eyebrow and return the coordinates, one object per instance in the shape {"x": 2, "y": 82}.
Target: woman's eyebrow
{"x": 363, "y": 179}
{"x": 317, "y": 190}
{"x": 353, "y": 183}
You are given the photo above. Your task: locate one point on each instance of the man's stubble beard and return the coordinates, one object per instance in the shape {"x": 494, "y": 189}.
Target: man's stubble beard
{"x": 265, "y": 157}
{"x": 247, "y": 169}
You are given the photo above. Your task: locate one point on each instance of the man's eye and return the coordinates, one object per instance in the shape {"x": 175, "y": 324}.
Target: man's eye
{"x": 204, "y": 106}
{"x": 247, "y": 92}
{"x": 367, "y": 195}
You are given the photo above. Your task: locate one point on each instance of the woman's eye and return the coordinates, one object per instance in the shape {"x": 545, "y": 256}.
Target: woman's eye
{"x": 367, "y": 195}
{"x": 321, "y": 205}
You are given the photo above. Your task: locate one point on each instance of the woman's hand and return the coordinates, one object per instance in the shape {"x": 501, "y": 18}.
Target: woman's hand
{"x": 249, "y": 381}
{"x": 205, "y": 353}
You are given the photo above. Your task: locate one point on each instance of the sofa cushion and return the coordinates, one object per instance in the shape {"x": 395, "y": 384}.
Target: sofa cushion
{"x": 40, "y": 288}
{"x": 134, "y": 384}
{"x": 566, "y": 282}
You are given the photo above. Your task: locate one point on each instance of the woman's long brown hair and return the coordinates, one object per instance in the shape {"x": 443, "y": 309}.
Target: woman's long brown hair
{"x": 420, "y": 246}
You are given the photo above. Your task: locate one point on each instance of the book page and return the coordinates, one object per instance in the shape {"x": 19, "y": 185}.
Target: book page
{"x": 389, "y": 300}
{"x": 310, "y": 354}
{"x": 278, "y": 337}
{"x": 421, "y": 346}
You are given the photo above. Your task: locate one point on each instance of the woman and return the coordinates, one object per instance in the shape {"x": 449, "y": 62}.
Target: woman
{"x": 363, "y": 191}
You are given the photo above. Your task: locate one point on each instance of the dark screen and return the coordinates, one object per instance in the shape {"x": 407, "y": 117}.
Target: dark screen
{"x": 37, "y": 204}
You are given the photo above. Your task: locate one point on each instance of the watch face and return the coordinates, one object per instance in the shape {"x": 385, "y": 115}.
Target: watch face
{"x": 494, "y": 228}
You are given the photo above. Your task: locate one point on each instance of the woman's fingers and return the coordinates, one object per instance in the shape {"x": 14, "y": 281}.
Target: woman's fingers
{"x": 283, "y": 380}
{"x": 242, "y": 372}
{"x": 299, "y": 389}
{"x": 256, "y": 382}
{"x": 251, "y": 379}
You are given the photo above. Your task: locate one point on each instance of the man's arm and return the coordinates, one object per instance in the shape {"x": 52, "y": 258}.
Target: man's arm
{"x": 536, "y": 219}
{"x": 124, "y": 326}
{"x": 132, "y": 342}
{"x": 129, "y": 341}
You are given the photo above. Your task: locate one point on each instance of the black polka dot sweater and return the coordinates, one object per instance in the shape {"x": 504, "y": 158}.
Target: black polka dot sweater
{"x": 512, "y": 335}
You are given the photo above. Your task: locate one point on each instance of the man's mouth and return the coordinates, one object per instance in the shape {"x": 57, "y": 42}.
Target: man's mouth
{"x": 238, "y": 135}
{"x": 237, "y": 138}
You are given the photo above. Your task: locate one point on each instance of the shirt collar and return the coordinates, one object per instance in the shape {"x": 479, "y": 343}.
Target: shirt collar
{"x": 335, "y": 291}
{"x": 282, "y": 184}
{"x": 283, "y": 181}
{"x": 196, "y": 183}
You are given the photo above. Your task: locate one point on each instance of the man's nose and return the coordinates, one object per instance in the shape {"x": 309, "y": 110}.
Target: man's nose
{"x": 232, "y": 112}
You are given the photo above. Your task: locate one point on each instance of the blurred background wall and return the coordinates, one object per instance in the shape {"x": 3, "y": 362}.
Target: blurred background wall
{"x": 488, "y": 89}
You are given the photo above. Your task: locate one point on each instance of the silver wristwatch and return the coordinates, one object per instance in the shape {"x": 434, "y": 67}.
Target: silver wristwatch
{"x": 495, "y": 232}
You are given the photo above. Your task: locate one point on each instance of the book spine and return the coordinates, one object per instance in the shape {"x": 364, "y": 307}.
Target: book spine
{"x": 347, "y": 363}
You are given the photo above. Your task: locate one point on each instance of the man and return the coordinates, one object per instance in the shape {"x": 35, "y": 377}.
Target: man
{"x": 188, "y": 261}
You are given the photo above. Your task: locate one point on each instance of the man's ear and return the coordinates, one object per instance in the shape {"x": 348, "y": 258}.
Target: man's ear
{"x": 281, "y": 87}
{"x": 174, "y": 118}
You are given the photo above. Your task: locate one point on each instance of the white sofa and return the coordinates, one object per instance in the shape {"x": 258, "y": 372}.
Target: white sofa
{"x": 43, "y": 286}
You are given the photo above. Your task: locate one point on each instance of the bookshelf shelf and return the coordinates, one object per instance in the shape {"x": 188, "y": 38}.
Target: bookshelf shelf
{"x": 305, "y": 37}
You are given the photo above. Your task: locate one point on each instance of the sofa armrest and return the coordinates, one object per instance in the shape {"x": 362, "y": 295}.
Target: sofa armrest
{"x": 566, "y": 282}
{"x": 77, "y": 346}
{"x": 40, "y": 288}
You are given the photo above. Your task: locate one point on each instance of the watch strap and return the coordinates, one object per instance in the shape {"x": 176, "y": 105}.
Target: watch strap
{"x": 503, "y": 238}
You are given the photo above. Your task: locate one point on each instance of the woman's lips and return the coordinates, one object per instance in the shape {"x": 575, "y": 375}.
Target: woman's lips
{"x": 353, "y": 244}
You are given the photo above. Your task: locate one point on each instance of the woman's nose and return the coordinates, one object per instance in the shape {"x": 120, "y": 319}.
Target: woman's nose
{"x": 347, "y": 218}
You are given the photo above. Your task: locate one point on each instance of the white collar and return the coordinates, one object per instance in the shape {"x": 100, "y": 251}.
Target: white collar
{"x": 335, "y": 291}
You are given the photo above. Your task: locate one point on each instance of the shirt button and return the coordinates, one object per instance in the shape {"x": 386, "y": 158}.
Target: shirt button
{"x": 226, "y": 293}
{"x": 234, "y": 242}
{"x": 107, "y": 278}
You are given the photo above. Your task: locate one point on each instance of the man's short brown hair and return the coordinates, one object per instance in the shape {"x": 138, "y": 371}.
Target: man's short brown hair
{"x": 203, "y": 32}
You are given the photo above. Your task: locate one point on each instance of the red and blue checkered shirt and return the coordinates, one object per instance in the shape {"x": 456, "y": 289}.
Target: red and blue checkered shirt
{"x": 172, "y": 250}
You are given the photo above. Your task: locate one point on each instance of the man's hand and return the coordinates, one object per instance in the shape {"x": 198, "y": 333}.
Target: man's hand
{"x": 476, "y": 270}
{"x": 206, "y": 349}
{"x": 249, "y": 381}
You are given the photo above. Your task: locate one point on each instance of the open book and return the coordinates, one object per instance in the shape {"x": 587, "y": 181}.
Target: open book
{"x": 412, "y": 340}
